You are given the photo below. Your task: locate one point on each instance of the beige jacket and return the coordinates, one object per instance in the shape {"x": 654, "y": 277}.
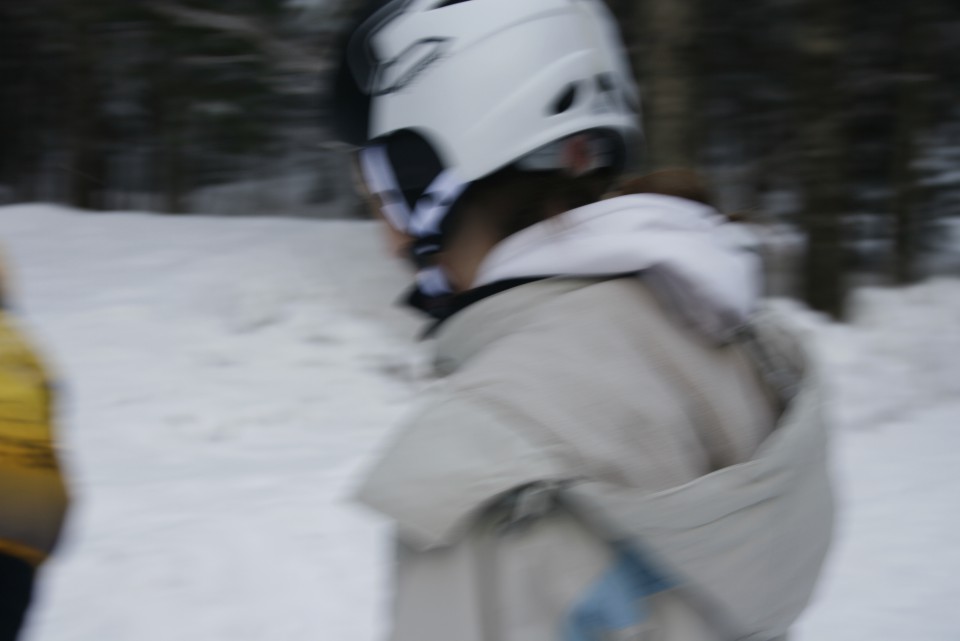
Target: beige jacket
{"x": 694, "y": 503}
{"x": 669, "y": 438}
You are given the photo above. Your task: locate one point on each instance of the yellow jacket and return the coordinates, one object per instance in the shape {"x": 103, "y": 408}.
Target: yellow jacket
{"x": 33, "y": 497}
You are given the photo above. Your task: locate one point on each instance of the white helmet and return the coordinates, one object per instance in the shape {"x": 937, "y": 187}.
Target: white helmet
{"x": 487, "y": 82}
{"x": 441, "y": 93}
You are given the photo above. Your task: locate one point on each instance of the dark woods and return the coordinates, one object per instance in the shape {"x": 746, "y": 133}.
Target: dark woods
{"x": 837, "y": 119}
{"x": 113, "y": 104}
{"x": 840, "y": 118}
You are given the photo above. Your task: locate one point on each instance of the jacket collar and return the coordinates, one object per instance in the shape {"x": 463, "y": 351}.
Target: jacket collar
{"x": 703, "y": 268}
{"x": 484, "y": 322}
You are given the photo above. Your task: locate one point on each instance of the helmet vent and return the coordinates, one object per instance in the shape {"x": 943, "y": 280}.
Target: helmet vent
{"x": 605, "y": 83}
{"x": 448, "y": 3}
{"x": 565, "y": 100}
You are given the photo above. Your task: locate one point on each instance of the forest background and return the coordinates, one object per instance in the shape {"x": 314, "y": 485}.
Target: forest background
{"x": 833, "y": 127}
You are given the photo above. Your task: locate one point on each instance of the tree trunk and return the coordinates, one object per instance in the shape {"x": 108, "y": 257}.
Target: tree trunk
{"x": 911, "y": 87}
{"x": 173, "y": 172}
{"x": 169, "y": 169}
{"x": 167, "y": 119}
{"x": 823, "y": 153}
{"x": 669, "y": 68}
{"x": 88, "y": 164}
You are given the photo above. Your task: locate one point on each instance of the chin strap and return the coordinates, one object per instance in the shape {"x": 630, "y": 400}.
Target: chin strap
{"x": 423, "y": 222}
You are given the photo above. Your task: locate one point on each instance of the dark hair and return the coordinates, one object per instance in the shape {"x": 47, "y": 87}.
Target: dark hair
{"x": 682, "y": 183}
{"x": 512, "y": 200}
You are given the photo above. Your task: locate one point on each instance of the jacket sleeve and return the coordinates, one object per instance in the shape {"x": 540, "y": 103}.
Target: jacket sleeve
{"x": 33, "y": 498}
{"x": 447, "y": 464}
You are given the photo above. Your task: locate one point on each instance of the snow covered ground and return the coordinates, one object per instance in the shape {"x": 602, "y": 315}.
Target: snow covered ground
{"x": 224, "y": 380}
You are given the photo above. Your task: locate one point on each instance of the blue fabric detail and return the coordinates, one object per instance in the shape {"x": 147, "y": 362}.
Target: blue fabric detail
{"x": 617, "y": 601}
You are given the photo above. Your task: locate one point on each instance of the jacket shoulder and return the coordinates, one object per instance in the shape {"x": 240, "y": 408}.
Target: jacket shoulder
{"x": 450, "y": 460}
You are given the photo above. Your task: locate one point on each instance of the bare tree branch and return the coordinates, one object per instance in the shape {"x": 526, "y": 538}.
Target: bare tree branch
{"x": 285, "y": 54}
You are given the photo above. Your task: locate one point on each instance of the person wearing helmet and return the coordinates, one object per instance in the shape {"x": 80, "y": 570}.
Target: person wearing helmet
{"x": 625, "y": 443}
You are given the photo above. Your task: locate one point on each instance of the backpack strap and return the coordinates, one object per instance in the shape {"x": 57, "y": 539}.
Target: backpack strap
{"x": 780, "y": 373}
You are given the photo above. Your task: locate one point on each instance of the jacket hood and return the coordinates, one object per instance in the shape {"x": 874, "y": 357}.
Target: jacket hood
{"x": 746, "y": 541}
{"x": 699, "y": 264}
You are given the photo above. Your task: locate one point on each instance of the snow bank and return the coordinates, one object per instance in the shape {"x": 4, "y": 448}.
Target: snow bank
{"x": 894, "y": 377}
{"x": 899, "y": 353}
{"x": 226, "y": 379}
{"x": 292, "y": 194}
{"x": 223, "y": 382}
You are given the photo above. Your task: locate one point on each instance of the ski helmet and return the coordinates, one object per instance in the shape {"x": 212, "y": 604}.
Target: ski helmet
{"x": 441, "y": 93}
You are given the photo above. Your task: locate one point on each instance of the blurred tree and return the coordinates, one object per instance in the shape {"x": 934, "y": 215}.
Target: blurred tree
{"x": 210, "y": 91}
{"x": 163, "y": 97}
{"x": 671, "y": 30}
{"x": 851, "y": 134}
{"x": 661, "y": 37}
{"x": 822, "y": 162}
{"x": 913, "y": 85}
{"x": 31, "y": 67}
{"x": 747, "y": 67}
{"x": 81, "y": 22}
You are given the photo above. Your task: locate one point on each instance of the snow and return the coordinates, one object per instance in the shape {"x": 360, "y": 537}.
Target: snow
{"x": 894, "y": 372}
{"x": 224, "y": 381}
{"x": 292, "y": 193}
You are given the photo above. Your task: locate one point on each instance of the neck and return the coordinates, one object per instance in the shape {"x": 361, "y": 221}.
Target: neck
{"x": 462, "y": 260}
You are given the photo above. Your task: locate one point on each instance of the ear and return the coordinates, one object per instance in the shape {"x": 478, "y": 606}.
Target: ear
{"x": 578, "y": 155}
